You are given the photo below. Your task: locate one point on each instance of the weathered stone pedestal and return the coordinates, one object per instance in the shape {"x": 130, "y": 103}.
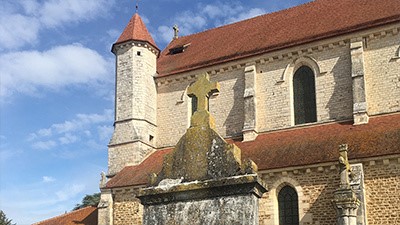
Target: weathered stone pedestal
{"x": 203, "y": 181}
{"x": 231, "y": 200}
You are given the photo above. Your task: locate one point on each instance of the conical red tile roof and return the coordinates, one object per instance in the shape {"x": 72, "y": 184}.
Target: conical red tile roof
{"x": 136, "y": 30}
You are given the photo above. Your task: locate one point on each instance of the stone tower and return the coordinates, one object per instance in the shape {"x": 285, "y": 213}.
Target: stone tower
{"x": 135, "y": 97}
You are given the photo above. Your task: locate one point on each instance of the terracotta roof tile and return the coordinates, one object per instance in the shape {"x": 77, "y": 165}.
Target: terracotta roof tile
{"x": 319, "y": 144}
{"x": 295, "y": 147}
{"x": 136, "y": 30}
{"x": 139, "y": 175}
{"x": 302, "y": 24}
{"x": 84, "y": 216}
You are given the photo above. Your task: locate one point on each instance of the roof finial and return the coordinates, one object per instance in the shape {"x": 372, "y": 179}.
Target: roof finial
{"x": 176, "y": 31}
{"x": 137, "y": 6}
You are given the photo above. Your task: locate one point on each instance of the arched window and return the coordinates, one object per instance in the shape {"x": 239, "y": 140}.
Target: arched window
{"x": 288, "y": 206}
{"x": 305, "y": 110}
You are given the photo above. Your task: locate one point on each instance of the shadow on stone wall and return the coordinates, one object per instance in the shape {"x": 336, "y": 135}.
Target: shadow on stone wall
{"x": 340, "y": 104}
{"x": 234, "y": 122}
{"x": 321, "y": 210}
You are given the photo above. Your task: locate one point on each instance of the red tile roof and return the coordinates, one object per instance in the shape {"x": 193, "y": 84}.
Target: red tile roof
{"x": 84, "y": 216}
{"x": 313, "y": 21}
{"x": 295, "y": 147}
{"x": 136, "y": 30}
{"x": 139, "y": 175}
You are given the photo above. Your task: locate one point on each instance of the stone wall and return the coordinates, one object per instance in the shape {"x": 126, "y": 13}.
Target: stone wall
{"x": 315, "y": 187}
{"x": 126, "y": 155}
{"x": 127, "y": 209}
{"x": 272, "y": 92}
{"x": 330, "y": 60}
{"x": 174, "y": 106}
{"x": 382, "y": 185}
{"x": 331, "y": 66}
{"x": 382, "y": 67}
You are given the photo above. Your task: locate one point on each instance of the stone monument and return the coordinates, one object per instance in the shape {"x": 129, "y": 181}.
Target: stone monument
{"x": 203, "y": 181}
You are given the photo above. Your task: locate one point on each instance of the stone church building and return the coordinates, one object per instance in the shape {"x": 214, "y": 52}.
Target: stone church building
{"x": 294, "y": 86}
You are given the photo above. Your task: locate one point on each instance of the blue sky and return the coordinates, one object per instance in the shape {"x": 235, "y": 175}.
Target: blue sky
{"x": 57, "y": 89}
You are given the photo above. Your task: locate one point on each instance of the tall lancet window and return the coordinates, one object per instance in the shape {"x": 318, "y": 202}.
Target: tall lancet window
{"x": 305, "y": 110}
{"x": 288, "y": 206}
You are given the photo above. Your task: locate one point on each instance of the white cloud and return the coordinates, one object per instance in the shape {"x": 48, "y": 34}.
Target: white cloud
{"x": 44, "y": 132}
{"x": 58, "y": 67}
{"x": 114, "y": 34}
{"x": 18, "y": 29}
{"x": 245, "y": 15}
{"x": 206, "y": 16}
{"x": 48, "y": 179}
{"x": 31, "y": 7}
{"x": 68, "y": 139}
{"x": 42, "y": 200}
{"x": 190, "y": 23}
{"x": 6, "y": 154}
{"x": 164, "y": 34}
{"x": 105, "y": 132}
{"x": 56, "y": 12}
{"x": 44, "y": 145}
{"x": 69, "y": 131}
{"x": 69, "y": 192}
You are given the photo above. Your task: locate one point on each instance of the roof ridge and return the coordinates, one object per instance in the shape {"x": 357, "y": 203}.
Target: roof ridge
{"x": 245, "y": 20}
{"x": 286, "y": 28}
{"x": 62, "y": 215}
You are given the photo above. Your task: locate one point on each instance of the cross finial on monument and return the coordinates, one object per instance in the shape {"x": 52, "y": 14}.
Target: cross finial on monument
{"x": 201, "y": 90}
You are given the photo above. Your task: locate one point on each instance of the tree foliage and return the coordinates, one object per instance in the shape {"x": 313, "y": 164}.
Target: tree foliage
{"x": 89, "y": 200}
{"x": 4, "y": 220}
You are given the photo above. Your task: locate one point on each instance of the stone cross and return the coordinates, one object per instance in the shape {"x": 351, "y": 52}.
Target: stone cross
{"x": 202, "y": 89}
{"x": 344, "y": 166}
{"x": 176, "y": 31}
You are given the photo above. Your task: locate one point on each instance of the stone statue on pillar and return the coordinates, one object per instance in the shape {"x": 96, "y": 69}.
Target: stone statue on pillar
{"x": 344, "y": 167}
{"x": 345, "y": 199}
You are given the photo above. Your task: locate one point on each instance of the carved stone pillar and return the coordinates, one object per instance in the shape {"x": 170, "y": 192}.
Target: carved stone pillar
{"x": 250, "y": 104}
{"x": 346, "y": 204}
{"x": 360, "y": 107}
{"x": 345, "y": 199}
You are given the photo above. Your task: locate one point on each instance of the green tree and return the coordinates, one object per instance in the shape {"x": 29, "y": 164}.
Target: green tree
{"x": 89, "y": 200}
{"x": 4, "y": 220}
